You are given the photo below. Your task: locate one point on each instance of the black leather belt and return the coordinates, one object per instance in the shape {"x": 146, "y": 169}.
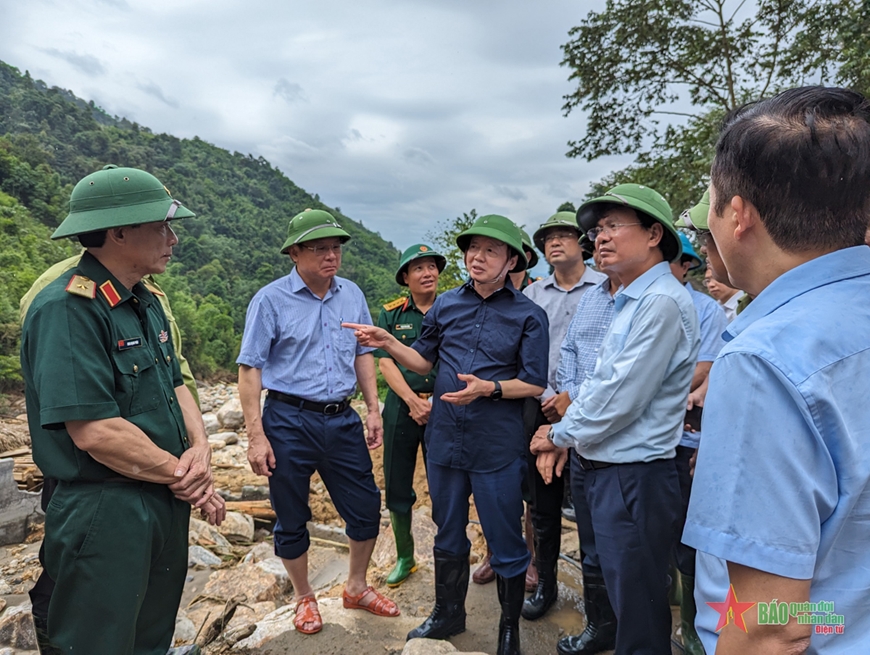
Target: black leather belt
{"x": 591, "y": 464}
{"x": 329, "y": 409}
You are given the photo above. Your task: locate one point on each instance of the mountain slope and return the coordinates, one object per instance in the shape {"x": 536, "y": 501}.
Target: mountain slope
{"x": 243, "y": 204}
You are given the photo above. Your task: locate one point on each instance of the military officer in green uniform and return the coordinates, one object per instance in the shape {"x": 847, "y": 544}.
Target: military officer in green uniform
{"x": 40, "y": 593}
{"x": 407, "y": 406}
{"x": 112, "y": 421}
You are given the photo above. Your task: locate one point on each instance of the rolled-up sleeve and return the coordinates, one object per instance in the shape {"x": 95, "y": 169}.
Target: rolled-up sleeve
{"x": 260, "y": 333}
{"x": 534, "y": 349}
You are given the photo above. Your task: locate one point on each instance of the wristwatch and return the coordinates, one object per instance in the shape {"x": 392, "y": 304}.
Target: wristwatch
{"x": 496, "y": 393}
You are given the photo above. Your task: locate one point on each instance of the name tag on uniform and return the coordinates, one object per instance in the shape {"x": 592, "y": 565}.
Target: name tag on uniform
{"x": 125, "y": 344}
{"x": 404, "y": 326}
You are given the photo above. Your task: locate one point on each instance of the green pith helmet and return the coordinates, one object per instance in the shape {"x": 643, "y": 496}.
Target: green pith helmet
{"x": 696, "y": 217}
{"x": 418, "y": 252}
{"x": 689, "y": 251}
{"x": 115, "y": 197}
{"x": 559, "y": 219}
{"x": 310, "y": 225}
{"x": 528, "y": 247}
{"x": 500, "y": 228}
{"x": 641, "y": 199}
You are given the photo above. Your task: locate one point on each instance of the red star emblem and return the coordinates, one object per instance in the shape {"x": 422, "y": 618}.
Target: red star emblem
{"x": 731, "y": 609}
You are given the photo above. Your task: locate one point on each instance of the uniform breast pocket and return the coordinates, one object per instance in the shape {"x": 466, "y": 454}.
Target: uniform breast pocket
{"x": 406, "y": 335}
{"x": 137, "y": 383}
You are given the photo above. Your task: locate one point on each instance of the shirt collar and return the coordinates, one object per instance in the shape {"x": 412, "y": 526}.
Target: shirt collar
{"x": 636, "y": 289}
{"x": 588, "y": 277}
{"x": 92, "y": 268}
{"x": 508, "y": 286}
{"x": 819, "y": 272}
{"x": 297, "y": 283}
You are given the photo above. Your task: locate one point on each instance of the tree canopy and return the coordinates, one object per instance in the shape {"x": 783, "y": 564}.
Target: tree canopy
{"x": 656, "y": 77}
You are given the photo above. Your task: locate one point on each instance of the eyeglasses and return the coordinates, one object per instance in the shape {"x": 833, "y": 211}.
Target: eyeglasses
{"x": 323, "y": 251}
{"x": 608, "y": 230}
{"x": 560, "y": 237}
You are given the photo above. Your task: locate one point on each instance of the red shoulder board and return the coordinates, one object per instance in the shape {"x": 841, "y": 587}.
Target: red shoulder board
{"x": 110, "y": 293}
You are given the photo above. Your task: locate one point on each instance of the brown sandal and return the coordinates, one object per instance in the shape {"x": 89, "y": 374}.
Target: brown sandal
{"x": 381, "y": 605}
{"x": 307, "y": 612}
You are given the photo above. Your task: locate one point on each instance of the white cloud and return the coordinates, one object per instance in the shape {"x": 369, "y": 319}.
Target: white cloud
{"x": 403, "y": 114}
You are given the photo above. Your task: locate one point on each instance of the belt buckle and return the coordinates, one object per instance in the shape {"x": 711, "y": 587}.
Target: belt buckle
{"x": 331, "y": 409}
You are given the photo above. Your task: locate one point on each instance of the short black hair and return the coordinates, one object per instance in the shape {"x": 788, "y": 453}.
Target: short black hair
{"x": 93, "y": 239}
{"x": 802, "y": 158}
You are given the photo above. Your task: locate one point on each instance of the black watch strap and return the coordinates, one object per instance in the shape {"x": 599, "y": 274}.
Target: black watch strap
{"x": 496, "y": 393}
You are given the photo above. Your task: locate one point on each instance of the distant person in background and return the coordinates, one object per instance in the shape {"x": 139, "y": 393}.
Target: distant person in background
{"x": 294, "y": 346}
{"x": 715, "y": 277}
{"x": 112, "y": 421}
{"x": 557, "y": 294}
{"x": 40, "y": 594}
{"x": 491, "y": 345}
{"x": 409, "y": 399}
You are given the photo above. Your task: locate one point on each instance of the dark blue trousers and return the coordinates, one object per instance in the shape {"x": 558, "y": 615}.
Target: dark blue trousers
{"x": 591, "y": 565}
{"x": 634, "y": 509}
{"x": 684, "y": 555}
{"x": 498, "y": 498}
{"x": 334, "y": 446}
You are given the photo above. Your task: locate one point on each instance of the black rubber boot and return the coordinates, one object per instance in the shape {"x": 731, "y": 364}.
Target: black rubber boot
{"x": 511, "y": 592}
{"x": 451, "y": 586}
{"x": 600, "y": 632}
{"x": 548, "y": 539}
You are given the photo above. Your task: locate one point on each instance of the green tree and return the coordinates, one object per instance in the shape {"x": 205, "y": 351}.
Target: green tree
{"x": 656, "y": 77}
{"x": 443, "y": 239}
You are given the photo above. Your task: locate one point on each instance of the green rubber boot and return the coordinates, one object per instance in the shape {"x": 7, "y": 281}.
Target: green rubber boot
{"x": 691, "y": 641}
{"x": 405, "y": 563}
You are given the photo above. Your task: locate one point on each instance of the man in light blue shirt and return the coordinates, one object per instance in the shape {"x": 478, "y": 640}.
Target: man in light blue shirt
{"x": 295, "y": 347}
{"x": 781, "y": 496}
{"x": 628, "y": 416}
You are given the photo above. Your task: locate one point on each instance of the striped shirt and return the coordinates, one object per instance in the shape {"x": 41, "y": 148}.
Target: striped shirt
{"x": 584, "y": 336}
{"x": 296, "y": 338}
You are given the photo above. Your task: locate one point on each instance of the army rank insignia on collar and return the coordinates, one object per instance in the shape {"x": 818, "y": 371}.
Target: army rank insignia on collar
{"x": 80, "y": 285}
{"x": 110, "y": 293}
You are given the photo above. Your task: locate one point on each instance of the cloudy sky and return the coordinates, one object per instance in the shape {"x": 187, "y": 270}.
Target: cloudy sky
{"x": 403, "y": 114}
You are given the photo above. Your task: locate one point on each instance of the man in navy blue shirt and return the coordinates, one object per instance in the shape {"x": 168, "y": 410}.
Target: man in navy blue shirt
{"x": 491, "y": 344}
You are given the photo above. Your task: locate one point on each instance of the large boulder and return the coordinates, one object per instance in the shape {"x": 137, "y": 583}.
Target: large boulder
{"x": 271, "y": 626}
{"x": 237, "y": 527}
{"x": 231, "y": 416}
{"x": 208, "y": 536}
{"x": 259, "y": 581}
{"x": 212, "y": 424}
{"x": 16, "y": 628}
{"x": 200, "y": 558}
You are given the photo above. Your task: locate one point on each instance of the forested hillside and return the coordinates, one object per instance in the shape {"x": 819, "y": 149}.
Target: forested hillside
{"x": 49, "y": 139}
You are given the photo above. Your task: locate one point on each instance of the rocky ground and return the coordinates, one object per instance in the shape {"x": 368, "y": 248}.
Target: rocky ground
{"x": 237, "y": 597}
